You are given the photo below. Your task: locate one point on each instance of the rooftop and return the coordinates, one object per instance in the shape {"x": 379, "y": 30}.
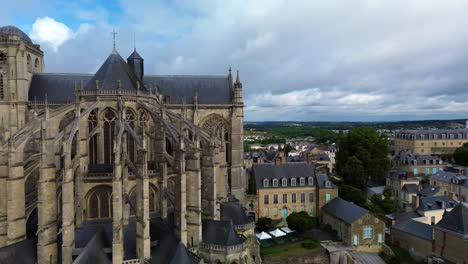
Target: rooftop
{"x": 344, "y": 210}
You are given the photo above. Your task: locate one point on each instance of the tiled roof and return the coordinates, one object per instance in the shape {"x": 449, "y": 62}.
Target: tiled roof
{"x": 415, "y": 228}
{"x": 344, "y": 210}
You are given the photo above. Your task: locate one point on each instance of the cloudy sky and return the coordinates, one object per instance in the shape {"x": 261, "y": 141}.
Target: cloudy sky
{"x": 361, "y": 60}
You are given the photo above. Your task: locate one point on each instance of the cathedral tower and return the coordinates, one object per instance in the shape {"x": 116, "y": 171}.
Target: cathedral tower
{"x": 20, "y": 58}
{"x": 135, "y": 61}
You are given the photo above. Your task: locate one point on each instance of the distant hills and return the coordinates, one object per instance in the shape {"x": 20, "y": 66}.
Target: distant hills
{"x": 392, "y": 125}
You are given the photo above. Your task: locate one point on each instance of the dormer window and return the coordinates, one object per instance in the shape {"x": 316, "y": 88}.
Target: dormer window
{"x": 327, "y": 184}
{"x": 310, "y": 181}
{"x": 301, "y": 181}
{"x": 275, "y": 182}
{"x": 284, "y": 182}
{"x": 293, "y": 181}
{"x": 265, "y": 183}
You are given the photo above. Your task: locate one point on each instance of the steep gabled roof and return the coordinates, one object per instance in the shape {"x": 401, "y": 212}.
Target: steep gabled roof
{"x": 456, "y": 220}
{"x": 114, "y": 69}
{"x": 344, "y": 210}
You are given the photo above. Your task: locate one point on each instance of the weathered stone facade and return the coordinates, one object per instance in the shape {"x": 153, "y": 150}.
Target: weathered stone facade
{"x": 125, "y": 146}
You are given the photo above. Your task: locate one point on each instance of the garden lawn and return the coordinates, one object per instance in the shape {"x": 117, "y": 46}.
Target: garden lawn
{"x": 289, "y": 249}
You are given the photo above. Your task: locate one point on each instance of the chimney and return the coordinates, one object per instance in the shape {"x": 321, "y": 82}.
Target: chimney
{"x": 415, "y": 202}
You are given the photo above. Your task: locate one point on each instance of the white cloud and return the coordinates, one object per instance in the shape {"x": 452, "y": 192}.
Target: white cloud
{"x": 359, "y": 99}
{"x": 46, "y": 30}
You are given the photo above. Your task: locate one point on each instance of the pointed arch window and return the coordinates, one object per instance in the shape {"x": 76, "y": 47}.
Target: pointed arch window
{"x": 29, "y": 63}
{"x": 93, "y": 141}
{"x": 100, "y": 203}
{"x": 109, "y": 131}
{"x": 36, "y": 65}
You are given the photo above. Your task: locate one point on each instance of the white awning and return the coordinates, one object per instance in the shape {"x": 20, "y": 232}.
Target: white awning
{"x": 287, "y": 230}
{"x": 263, "y": 235}
{"x": 277, "y": 233}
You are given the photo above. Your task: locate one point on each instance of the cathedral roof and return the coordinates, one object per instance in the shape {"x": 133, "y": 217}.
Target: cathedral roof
{"x": 114, "y": 69}
{"x": 220, "y": 232}
{"x": 12, "y": 30}
{"x": 135, "y": 55}
{"x": 59, "y": 87}
{"x": 232, "y": 210}
{"x": 210, "y": 89}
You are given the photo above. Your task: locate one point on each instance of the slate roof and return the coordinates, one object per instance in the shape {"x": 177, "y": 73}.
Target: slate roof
{"x": 12, "y": 30}
{"x": 410, "y": 188}
{"x": 135, "y": 55}
{"x": 322, "y": 157}
{"x": 114, "y": 69}
{"x": 429, "y": 191}
{"x": 211, "y": 89}
{"x": 435, "y": 203}
{"x": 344, "y": 210}
{"x": 284, "y": 170}
{"x": 94, "y": 250}
{"x": 415, "y": 228}
{"x": 456, "y": 220}
{"x": 321, "y": 182}
{"x": 232, "y": 210}
{"x": 429, "y": 134}
{"x": 58, "y": 86}
{"x": 21, "y": 252}
{"x": 444, "y": 176}
{"x": 220, "y": 232}
{"x": 405, "y": 216}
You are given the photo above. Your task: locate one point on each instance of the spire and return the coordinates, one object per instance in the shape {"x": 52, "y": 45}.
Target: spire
{"x": 238, "y": 78}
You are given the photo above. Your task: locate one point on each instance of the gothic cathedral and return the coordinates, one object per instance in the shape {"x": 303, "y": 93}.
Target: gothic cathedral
{"x": 119, "y": 166}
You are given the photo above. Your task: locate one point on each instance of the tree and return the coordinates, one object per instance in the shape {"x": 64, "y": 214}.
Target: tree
{"x": 362, "y": 154}
{"x": 352, "y": 194}
{"x": 301, "y": 221}
{"x": 264, "y": 224}
{"x": 461, "y": 155}
{"x": 382, "y": 205}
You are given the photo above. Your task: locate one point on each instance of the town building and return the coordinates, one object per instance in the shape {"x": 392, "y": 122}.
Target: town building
{"x": 418, "y": 164}
{"x": 451, "y": 235}
{"x": 430, "y": 142}
{"x": 432, "y": 209}
{"x": 356, "y": 226}
{"x": 285, "y": 188}
{"x": 118, "y": 165}
{"x": 414, "y": 236}
{"x": 395, "y": 180}
{"x": 452, "y": 184}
